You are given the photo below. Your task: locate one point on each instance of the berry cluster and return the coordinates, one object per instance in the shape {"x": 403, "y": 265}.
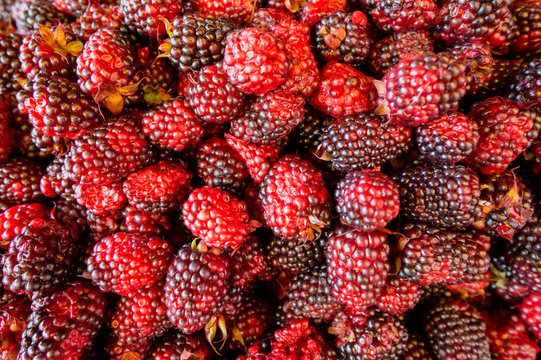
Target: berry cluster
{"x": 270, "y": 180}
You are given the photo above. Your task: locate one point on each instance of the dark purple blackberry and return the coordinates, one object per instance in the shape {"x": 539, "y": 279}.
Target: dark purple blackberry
{"x": 444, "y": 257}
{"x": 102, "y": 225}
{"x": 213, "y": 98}
{"x": 64, "y": 324}
{"x": 25, "y": 141}
{"x": 195, "y": 286}
{"x": 172, "y": 347}
{"x": 307, "y": 135}
{"x": 197, "y": 41}
{"x": 56, "y": 182}
{"x": 269, "y": 118}
{"x": 382, "y": 337}
{"x": 39, "y": 259}
{"x": 253, "y": 322}
{"x": 10, "y": 66}
{"x": 342, "y": 37}
{"x": 71, "y": 215}
{"x": 526, "y": 87}
{"x": 527, "y": 39}
{"x": 30, "y": 14}
{"x": 294, "y": 258}
{"x": 388, "y": 52}
{"x": 416, "y": 349}
{"x": 47, "y": 145}
{"x": 444, "y": 196}
{"x": 364, "y": 141}
{"x": 146, "y": 16}
{"x": 403, "y": 15}
{"x": 220, "y": 166}
{"x": 20, "y": 181}
{"x": 247, "y": 262}
{"x": 455, "y": 330}
{"x": 310, "y": 295}
{"x": 447, "y": 139}
{"x": 503, "y": 73}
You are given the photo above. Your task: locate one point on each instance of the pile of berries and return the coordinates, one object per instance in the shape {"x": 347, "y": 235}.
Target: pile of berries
{"x": 270, "y": 180}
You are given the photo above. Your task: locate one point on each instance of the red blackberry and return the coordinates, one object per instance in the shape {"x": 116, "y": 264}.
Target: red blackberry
{"x": 65, "y": 323}
{"x": 160, "y": 77}
{"x": 367, "y": 200}
{"x": 141, "y": 315}
{"x": 295, "y": 199}
{"x": 269, "y": 118}
{"x": 236, "y": 11}
{"x": 363, "y": 141}
{"x": 174, "y": 346}
{"x": 443, "y": 195}
{"x": 7, "y": 142}
{"x": 101, "y": 226}
{"x": 477, "y": 57}
{"x": 172, "y": 125}
{"x": 195, "y": 286}
{"x": 447, "y": 139}
{"x": 145, "y": 223}
{"x": 107, "y": 154}
{"x": 213, "y": 98}
{"x": 528, "y": 31}
{"x": 526, "y": 87}
{"x": 505, "y": 130}
{"x": 258, "y": 159}
{"x": 530, "y": 311}
{"x": 145, "y": 16}
{"x": 19, "y": 181}
{"x": 342, "y": 37}
{"x": 124, "y": 262}
{"x": 101, "y": 199}
{"x": 310, "y": 295}
{"x": 217, "y": 217}
{"x": 303, "y": 75}
{"x": 293, "y": 258}
{"x": 398, "y": 296}
{"x": 158, "y": 188}
{"x": 14, "y": 313}
{"x": 107, "y": 70}
{"x": 455, "y": 330}
{"x": 30, "y": 14}
{"x": 382, "y": 337}
{"x": 10, "y": 66}
{"x": 52, "y": 50}
{"x": 14, "y": 219}
{"x": 357, "y": 265}
{"x": 315, "y": 10}
{"x": 71, "y": 215}
{"x": 57, "y": 107}
{"x": 39, "y": 259}
{"x": 118, "y": 350}
{"x": 99, "y": 16}
{"x": 247, "y": 262}
{"x": 267, "y": 18}
{"x": 404, "y": 15}
{"x": 343, "y": 91}
{"x": 197, "y": 41}
{"x": 468, "y": 21}
{"x": 508, "y": 337}
{"x": 421, "y": 87}
{"x": 220, "y": 166}
{"x": 503, "y": 73}
{"x": 45, "y": 145}
{"x": 251, "y": 324}
{"x": 444, "y": 257}
{"x": 255, "y": 61}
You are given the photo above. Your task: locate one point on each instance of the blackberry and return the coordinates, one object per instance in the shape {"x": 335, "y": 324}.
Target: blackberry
{"x": 447, "y": 139}
{"x": 39, "y": 259}
{"x": 342, "y": 37}
{"x": 286, "y": 255}
{"x": 357, "y": 266}
{"x": 45, "y": 145}
{"x": 195, "y": 285}
{"x": 173, "y": 346}
{"x": 145, "y": 16}
{"x": 56, "y": 182}
{"x": 526, "y": 87}
{"x": 310, "y": 295}
{"x": 455, "y": 330}
{"x": 197, "y": 41}
{"x": 503, "y": 73}
{"x": 145, "y": 223}
{"x": 252, "y": 322}
{"x": 14, "y": 219}
{"x": 387, "y": 53}
{"x": 307, "y": 135}
{"x": 30, "y": 14}
{"x": 64, "y": 323}
{"x": 7, "y": 142}
{"x": 247, "y": 262}
{"x": 527, "y": 37}
{"x": 398, "y": 296}
{"x": 416, "y": 349}
{"x": 404, "y": 15}
{"x": 71, "y": 215}
{"x": 267, "y": 18}
{"x": 442, "y": 195}
{"x": 220, "y": 166}
{"x": 363, "y": 141}
{"x": 97, "y": 16}
{"x": 20, "y": 181}
{"x": 269, "y": 118}
{"x": 10, "y": 66}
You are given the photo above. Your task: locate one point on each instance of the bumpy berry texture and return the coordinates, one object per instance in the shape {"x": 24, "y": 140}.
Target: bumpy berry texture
{"x": 343, "y": 91}
{"x": 255, "y": 61}
{"x": 314, "y": 10}
{"x": 237, "y": 11}
{"x": 217, "y": 217}
{"x": 158, "y": 188}
{"x": 442, "y": 195}
{"x": 363, "y": 141}
{"x": 367, "y": 200}
{"x": 295, "y": 199}
{"x": 10, "y": 66}
{"x": 29, "y": 15}
{"x": 530, "y": 311}
{"x": 508, "y": 337}
{"x": 65, "y": 323}
{"x": 39, "y": 259}
{"x": 416, "y": 349}
{"x": 173, "y": 125}
{"x": 14, "y": 219}
{"x": 403, "y": 15}
{"x": 269, "y": 118}
{"x": 98, "y": 16}
{"x": 7, "y": 142}
{"x": 126, "y": 262}
{"x": 357, "y": 266}
{"x": 145, "y": 16}
{"x": 447, "y": 139}
{"x": 19, "y": 181}
{"x": 101, "y": 199}
{"x": 293, "y": 258}
{"x": 213, "y": 98}
{"x": 195, "y": 286}
{"x": 247, "y": 262}
{"x": 526, "y": 87}
{"x": 528, "y": 31}
{"x": 398, "y": 296}
{"x": 173, "y": 346}
{"x": 456, "y": 330}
